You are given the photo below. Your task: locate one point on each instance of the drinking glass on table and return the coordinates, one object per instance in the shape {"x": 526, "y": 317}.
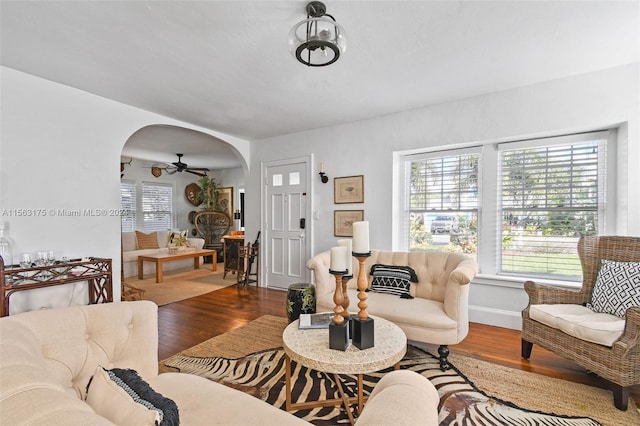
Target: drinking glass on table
{"x": 41, "y": 258}
{"x": 51, "y": 257}
{"x": 25, "y": 260}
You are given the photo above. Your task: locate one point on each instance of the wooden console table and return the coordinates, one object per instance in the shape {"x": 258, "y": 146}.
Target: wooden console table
{"x": 95, "y": 271}
{"x": 164, "y": 256}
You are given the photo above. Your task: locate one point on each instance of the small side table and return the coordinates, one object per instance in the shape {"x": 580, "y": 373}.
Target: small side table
{"x": 311, "y": 349}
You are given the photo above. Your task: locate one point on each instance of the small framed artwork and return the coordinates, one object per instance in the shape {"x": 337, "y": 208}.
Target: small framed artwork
{"x": 348, "y": 189}
{"x": 225, "y": 200}
{"x": 343, "y": 221}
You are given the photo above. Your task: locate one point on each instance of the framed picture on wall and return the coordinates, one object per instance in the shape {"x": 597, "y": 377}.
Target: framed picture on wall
{"x": 348, "y": 189}
{"x": 225, "y": 200}
{"x": 343, "y": 221}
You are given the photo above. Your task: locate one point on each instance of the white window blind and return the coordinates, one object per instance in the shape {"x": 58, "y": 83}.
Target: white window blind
{"x": 157, "y": 206}
{"x": 128, "y": 205}
{"x": 550, "y": 192}
{"x": 443, "y": 201}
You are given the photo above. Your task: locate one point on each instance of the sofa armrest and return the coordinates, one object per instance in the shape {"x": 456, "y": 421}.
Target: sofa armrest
{"x": 198, "y": 243}
{"x": 456, "y": 296}
{"x": 546, "y": 294}
{"x": 629, "y": 342}
{"x": 401, "y": 397}
{"x": 325, "y": 282}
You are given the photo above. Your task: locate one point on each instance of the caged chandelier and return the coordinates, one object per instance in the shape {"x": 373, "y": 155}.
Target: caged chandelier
{"x": 318, "y": 40}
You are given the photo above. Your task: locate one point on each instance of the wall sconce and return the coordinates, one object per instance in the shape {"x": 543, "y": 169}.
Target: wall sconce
{"x": 323, "y": 178}
{"x": 236, "y": 218}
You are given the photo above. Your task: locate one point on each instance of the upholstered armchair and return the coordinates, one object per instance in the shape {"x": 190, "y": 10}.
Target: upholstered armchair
{"x": 559, "y": 319}
{"x": 437, "y": 311}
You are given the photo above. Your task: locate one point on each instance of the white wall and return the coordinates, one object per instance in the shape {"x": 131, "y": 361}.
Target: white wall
{"x": 60, "y": 149}
{"x": 585, "y": 102}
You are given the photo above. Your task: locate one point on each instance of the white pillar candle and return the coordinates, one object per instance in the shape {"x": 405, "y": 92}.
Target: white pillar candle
{"x": 361, "y": 237}
{"x": 347, "y": 244}
{"x": 338, "y": 259}
{"x": 321, "y": 167}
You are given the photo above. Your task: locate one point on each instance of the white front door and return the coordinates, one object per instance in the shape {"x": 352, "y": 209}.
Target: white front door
{"x": 286, "y": 250}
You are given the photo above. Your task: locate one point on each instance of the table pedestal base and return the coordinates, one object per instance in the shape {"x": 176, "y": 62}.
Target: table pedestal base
{"x": 344, "y": 400}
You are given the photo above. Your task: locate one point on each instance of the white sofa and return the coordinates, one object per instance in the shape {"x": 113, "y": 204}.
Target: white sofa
{"x": 130, "y": 253}
{"x": 47, "y": 358}
{"x": 438, "y": 313}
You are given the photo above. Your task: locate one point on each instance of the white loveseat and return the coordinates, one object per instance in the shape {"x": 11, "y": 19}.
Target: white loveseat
{"x": 130, "y": 253}
{"x": 47, "y": 358}
{"x": 438, "y": 313}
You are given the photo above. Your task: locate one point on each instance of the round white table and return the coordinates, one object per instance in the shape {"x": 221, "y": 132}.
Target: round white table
{"x": 311, "y": 348}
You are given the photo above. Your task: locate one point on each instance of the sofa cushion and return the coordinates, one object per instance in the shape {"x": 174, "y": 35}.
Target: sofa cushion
{"x": 147, "y": 241}
{"x": 617, "y": 288}
{"x": 579, "y": 321}
{"x": 132, "y": 256}
{"x": 123, "y": 397}
{"x": 393, "y": 280}
{"x": 129, "y": 242}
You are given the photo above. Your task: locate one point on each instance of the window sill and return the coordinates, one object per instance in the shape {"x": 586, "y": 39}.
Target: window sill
{"x": 518, "y": 282}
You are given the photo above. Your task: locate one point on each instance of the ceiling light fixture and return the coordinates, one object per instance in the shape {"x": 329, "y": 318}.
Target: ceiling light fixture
{"x": 318, "y": 40}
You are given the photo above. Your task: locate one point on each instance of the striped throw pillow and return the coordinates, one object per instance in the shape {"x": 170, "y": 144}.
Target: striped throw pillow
{"x": 147, "y": 241}
{"x": 123, "y": 397}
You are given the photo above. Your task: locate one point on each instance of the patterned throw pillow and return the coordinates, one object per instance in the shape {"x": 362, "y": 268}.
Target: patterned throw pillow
{"x": 147, "y": 241}
{"x": 121, "y": 396}
{"x": 617, "y": 288}
{"x": 393, "y": 279}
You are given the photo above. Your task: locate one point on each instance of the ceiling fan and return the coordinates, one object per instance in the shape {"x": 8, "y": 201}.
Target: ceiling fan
{"x": 179, "y": 166}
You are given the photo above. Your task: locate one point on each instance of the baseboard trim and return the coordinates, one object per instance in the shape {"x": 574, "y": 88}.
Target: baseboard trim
{"x": 495, "y": 317}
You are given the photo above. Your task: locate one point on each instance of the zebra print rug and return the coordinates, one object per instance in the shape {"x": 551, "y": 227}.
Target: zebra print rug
{"x": 461, "y": 402}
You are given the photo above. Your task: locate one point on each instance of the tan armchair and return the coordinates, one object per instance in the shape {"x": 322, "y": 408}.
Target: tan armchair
{"x": 438, "y": 313}
{"x": 617, "y": 362}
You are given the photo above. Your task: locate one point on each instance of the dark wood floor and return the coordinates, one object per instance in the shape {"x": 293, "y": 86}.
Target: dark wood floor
{"x": 189, "y": 322}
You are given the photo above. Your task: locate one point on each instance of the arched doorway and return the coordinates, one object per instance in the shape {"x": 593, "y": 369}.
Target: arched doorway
{"x": 153, "y": 173}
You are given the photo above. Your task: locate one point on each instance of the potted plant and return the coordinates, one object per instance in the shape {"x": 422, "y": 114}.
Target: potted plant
{"x": 177, "y": 242}
{"x": 210, "y": 193}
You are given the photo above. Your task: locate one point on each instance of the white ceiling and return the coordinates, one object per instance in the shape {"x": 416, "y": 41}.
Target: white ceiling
{"x": 225, "y": 65}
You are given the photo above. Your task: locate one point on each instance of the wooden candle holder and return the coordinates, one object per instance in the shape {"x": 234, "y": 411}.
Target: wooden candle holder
{"x": 362, "y": 337}
{"x": 345, "y": 297}
{"x": 339, "y": 328}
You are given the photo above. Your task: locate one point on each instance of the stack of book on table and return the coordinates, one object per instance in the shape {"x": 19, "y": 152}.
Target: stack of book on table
{"x": 320, "y": 320}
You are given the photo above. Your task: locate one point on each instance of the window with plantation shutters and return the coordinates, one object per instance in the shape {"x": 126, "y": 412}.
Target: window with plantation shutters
{"x": 128, "y": 205}
{"x": 157, "y": 206}
{"x": 443, "y": 200}
{"x": 551, "y": 192}
{"x": 517, "y": 207}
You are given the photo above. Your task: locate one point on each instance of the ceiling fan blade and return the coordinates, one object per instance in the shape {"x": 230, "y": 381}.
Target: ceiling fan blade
{"x": 195, "y": 173}
{"x": 201, "y": 169}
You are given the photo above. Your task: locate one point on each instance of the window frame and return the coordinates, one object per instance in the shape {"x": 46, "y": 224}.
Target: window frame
{"x": 407, "y": 160}
{"x": 488, "y": 207}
